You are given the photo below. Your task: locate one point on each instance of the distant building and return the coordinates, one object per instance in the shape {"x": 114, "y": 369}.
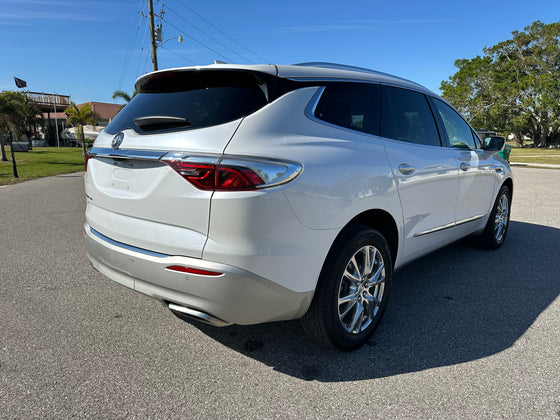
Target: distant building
{"x": 52, "y": 106}
{"x": 106, "y": 111}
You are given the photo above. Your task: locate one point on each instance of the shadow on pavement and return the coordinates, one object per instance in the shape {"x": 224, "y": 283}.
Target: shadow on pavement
{"x": 456, "y": 305}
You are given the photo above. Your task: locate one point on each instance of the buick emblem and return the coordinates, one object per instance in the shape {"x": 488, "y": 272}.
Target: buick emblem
{"x": 117, "y": 140}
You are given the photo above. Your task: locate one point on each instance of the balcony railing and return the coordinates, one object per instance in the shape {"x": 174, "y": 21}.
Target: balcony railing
{"x": 49, "y": 100}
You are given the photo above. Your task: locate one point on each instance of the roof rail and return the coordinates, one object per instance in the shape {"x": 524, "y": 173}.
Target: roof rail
{"x": 337, "y": 66}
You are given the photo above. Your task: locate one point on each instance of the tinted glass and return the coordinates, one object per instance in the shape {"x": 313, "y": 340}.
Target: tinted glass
{"x": 351, "y": 105}
{"x": 189, "y": 100}
{"x": 406, "y": 116}
{"x": 458, "y": 132}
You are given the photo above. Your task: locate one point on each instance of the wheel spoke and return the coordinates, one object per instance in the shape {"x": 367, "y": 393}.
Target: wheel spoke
{"x": 377, "y": 278}
{"x": 357, "y": 319}
{"x": 354, "y": 277}
{"x": 346, "y": 299}
{"x": 371, "y": 300}
{"x": 349, "y": 307}
{"x": 369, "y": 262}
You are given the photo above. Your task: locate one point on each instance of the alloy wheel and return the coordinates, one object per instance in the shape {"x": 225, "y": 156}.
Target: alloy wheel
{"x": 361, "y": 289}
{"x": 502, "y": 218}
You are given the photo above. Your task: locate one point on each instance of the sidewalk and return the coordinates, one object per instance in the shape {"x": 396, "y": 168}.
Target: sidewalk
{"x": 536, "y": 165}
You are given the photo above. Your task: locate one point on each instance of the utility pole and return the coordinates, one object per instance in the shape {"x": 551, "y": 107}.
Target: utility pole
{"x": 153, "y": 35}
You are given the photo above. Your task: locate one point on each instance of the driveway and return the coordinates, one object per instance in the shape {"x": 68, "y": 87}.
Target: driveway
{"x": 468, "y": 333}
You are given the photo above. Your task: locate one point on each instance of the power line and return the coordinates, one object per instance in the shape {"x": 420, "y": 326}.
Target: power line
{"x": 146, "y": 63}
{"x": 223, "y": 33}
{"x": 129, "y": 52}
{"x": 179, "y": 55}
{"x": 208, "y": 35}
{"x": 142, "y": 50}
{"x": 196, "y": 40}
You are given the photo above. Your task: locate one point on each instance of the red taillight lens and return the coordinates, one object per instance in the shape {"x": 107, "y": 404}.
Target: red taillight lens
{"x": 229, "y": 173}
{"x": 190, "y": 270}
{"x": 211, "y": 177}
{"x": 201, "y": 175}
{"x": 86, "y": 158}
{"x": 238, "y": 179}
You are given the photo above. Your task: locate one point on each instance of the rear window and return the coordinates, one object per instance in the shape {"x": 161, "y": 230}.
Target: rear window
{"x": 190, "y": 100}
{"x": 351, "y": 105}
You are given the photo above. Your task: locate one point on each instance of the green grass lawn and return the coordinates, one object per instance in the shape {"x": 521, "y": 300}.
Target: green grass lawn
{"x": 535, "y": 155}
{"x": 41, "y": 162}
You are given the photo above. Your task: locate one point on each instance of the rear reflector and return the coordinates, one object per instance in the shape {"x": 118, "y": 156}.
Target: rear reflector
{"x": 190, "y": 270}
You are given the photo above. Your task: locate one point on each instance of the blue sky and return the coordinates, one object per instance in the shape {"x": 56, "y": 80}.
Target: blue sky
{"x": 88, "y": 49}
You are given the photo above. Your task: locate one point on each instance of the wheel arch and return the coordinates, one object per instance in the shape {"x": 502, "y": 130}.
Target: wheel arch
{"x": 509, "y": 183}
{"x": 379, "y": 220}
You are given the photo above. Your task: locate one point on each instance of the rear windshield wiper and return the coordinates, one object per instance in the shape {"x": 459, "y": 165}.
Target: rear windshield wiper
{"x": 160, "y": 122}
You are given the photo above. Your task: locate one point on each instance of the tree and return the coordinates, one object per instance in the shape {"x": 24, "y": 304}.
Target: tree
{"x": 16, "y": 114}
{"x": 80, "y": 117}
{"x": 3, "y": 157}
{"x": 514, "y": 87}
{"x": 123, "y": 95}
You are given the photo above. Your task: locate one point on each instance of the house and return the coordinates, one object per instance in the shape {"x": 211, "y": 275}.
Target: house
{"x": 106, "y": 111}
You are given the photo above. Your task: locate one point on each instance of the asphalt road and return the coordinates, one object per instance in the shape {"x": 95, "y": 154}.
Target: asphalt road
{"x": 468, "y": 333}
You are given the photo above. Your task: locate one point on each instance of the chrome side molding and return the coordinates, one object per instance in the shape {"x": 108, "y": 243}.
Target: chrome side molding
{"x": 450, "y": 225}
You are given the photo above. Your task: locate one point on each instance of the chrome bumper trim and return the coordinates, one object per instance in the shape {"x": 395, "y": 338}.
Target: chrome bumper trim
{"x": 128, "y": 247}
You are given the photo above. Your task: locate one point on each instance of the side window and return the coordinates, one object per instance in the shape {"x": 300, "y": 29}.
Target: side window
{"x": 350, "y": 105}
{"x": 406, "y": 116}
{"x": 459, "y": 134}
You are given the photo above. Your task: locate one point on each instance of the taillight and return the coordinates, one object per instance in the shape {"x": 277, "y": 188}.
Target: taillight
{"x": 211, "y": 177}
{"x": 201, "y": 176}
{"x": 232, "y": 174}
{"x": 86, "y": 158}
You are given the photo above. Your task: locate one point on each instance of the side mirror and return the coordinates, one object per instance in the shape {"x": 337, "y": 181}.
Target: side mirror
{"x": 493, "y": 143}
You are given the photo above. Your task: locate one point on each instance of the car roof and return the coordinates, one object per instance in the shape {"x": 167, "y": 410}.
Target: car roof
{"x": 314, "y": 71}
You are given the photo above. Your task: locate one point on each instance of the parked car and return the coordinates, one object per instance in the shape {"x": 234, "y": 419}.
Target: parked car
{"x": 243, "y": 194}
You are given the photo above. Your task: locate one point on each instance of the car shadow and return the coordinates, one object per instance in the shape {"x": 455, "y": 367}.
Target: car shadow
{"x": 456, "y": 305}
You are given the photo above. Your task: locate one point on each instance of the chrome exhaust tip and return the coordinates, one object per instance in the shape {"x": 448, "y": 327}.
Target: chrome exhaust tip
{"x": 197, "y": 315}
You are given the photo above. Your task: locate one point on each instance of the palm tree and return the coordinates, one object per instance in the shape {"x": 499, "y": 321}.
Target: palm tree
{"x": 3, "y": 157}
{"x": 80, "y": 117}
{"x": 16, "y": 113}
{"x": 124, "y": 96}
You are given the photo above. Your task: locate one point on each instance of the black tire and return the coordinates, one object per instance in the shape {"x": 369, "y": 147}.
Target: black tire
{"x": 340, "y": 323}
{"x": 497, "y": 226}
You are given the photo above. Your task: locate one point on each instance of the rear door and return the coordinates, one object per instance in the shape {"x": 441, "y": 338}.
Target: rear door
{"x": 426, "y": 173}
{"x": 476, "y": 172}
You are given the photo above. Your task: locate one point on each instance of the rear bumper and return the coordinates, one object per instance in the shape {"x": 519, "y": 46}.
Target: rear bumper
{"x": 235, "y": 296}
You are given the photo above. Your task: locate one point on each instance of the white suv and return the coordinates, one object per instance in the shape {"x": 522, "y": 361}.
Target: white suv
{"x": 249, "y": 194}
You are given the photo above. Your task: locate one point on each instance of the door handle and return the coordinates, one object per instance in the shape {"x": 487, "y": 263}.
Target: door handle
{"x": 406, "y": 169}
{"x": 464, "y": 166}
